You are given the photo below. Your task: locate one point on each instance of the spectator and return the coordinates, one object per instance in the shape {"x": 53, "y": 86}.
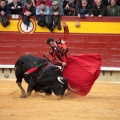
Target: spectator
{"x": 56, "y": 11}
{"x": 22, "y": 1}
{"x": 84, "y": 10}
{"x": 47, "y": 2}
{"x": 4, "y": 11}
{"x": 113, "y": 9}
{"x": 15, "y": 7}
{"x": 70, "y": 11}
{"x": 98, "y": 9}
{"x": 41, "y": 12}
{"x": 28, "y": 11}
{"x": 66, "y": 3}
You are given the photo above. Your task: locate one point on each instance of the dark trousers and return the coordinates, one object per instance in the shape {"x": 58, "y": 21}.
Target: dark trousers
{"x": 44, "y": 20}
{"x": 56, "y": 22}
{"x": 4, "y": 19}
{"x": 26, "y": 20}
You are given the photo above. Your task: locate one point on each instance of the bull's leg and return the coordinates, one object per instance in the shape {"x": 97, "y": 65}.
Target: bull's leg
{"x": 19, "y": 75}
{"x": 30, "y": 88}
{"x": 21, "y": 88}
{"x": 48, "y": 92}
{"x": 44, "y": 89}
{"x": 29, "y": 91}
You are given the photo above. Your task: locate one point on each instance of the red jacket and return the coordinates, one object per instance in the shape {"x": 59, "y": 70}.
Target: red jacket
{"x": 66, "y": 32}
{"x": 61, "y": 51}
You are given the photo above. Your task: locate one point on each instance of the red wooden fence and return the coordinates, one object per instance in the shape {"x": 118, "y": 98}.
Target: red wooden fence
{"x": 13, "y": 45}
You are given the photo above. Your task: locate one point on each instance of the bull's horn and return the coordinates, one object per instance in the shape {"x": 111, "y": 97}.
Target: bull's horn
{"x": 60, "y": 79}
{"x": 73, "y": 90}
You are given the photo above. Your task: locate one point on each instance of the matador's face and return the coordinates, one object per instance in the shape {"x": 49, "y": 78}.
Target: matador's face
{"x": 52, "y": 44}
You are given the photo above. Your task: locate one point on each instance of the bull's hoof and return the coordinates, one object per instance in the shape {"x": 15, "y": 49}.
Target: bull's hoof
{"x": 23, "y": 96}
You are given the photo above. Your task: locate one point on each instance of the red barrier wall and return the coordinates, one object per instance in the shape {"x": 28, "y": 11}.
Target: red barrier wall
{"x": 13, "y": 45}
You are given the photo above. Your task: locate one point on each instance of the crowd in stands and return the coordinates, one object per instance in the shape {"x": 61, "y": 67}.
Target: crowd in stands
{"x": 48, "y": 12}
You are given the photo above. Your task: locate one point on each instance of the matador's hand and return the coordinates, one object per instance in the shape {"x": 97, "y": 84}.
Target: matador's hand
{"x": 64, "y": 64}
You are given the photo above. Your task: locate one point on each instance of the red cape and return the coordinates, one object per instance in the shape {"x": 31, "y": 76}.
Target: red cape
{"x": 82, "y": 71}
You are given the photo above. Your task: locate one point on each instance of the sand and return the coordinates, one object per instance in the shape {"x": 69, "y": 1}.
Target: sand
{"x": 102, "y": 103}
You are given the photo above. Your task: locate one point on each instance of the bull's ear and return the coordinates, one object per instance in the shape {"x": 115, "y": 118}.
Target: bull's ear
{"x": 60, "y": 79}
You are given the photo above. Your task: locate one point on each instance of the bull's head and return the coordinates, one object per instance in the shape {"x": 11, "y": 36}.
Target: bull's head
{"x": 60, "y": 86}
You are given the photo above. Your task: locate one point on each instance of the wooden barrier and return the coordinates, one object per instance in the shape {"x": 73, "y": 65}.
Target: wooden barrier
{"x": 95, "y": 35}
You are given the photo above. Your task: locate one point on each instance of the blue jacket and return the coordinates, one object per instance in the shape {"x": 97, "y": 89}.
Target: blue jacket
{"x": 5, "y": 9}
{"x": 46, "y": 11}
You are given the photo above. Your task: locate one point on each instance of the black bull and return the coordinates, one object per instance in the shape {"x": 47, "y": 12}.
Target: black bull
{"x": 47, "y": 78}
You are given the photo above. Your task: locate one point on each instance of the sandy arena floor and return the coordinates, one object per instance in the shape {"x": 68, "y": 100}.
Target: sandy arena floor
{"x": 102, "y": 103}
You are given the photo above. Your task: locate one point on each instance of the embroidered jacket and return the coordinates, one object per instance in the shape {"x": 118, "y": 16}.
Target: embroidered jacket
{"x": 60, "y": 51}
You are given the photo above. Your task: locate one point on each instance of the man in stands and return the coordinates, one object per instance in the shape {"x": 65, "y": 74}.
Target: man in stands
{"x": 28, "y": 11}
{"x": 84, "y": 9}
{"x": 69, "y": 8}
{"x": 4, "y": 11}
{"x": 113, "y": 9}
{"x": 98, "y": 9}
{"x": 15, "y": 7}
{"x": 56, "y": 11}
{"x": 41, "y": 12}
